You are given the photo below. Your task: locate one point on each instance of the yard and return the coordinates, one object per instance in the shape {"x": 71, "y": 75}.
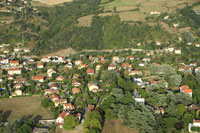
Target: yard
{"x": 19, "y": 107}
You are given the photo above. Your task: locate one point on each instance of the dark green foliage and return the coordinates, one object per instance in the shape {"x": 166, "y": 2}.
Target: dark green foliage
{"x": 46, "y": 103}
{"x": 70, "y": 122}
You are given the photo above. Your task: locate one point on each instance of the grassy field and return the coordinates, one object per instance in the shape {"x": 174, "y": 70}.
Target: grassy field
{"x": 115, "y": 126}
{"x": 85, "y": 21}
{"x": 19, "y": 107}
{"x": 125, "y": 7}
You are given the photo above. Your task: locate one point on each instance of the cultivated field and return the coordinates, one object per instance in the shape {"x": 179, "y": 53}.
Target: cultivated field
{"x": 85, "y": 21}
{"x": 115, "y": 126}
{"x": 19, "y": 107}
{"x": 53, "y": 2}
{"x": 127, "y": 8}
{"x": 64, "y": 52}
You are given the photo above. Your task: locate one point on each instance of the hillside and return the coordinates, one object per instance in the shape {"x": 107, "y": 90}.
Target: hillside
{"x": 94, "y": 24}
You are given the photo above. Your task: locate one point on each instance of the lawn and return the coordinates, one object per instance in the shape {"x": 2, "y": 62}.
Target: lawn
{"x": 19, "y": 107}
{"x": 115, "y": 126}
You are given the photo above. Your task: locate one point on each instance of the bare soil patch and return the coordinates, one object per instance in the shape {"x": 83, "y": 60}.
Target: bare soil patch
{"x": 53, "y": 2}
{"x": 64, "y": 52}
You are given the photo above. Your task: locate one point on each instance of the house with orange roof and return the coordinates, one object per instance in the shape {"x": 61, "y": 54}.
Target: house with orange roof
{"x": 60, "y": 119}
{"x": 90, "y": 107}
{"x": 126, "y": 65}
{"x": 38, "y": 78}
{"x": 112, "y": 67}
{"x": 186, "y": 90}
{"x": 60, "y": 78}
{"x": 196, "y": 123}
{"x": 90, "y": 71}
{"x": 81, "y": 66}
{"x": 130, "y": 58}
{"x": 75, "y": 90}
{"x": 40, "y": 65}
{"x": 184, "y": 68}
{"x": 54, "y": 97}
{"x": 102, "y": 61}
{"x": 14, "y": 63}
{"x": 75, "y": 83}
{"x": 60, "y": 101}
{"x": 68, "y": 106}
{"x": 13, "y": 71}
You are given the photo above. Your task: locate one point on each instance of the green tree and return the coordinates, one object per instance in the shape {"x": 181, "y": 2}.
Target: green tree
{"x": 198, "y": 77}
{"x": 181, "y": 109}
{"x": 45, "y": 103}
{"x": 70, "y": 122}
{"x": 175, "y": 80}
{"x": 93, "y": 121}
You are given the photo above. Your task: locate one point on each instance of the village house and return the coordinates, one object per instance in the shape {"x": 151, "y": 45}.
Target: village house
{"x": 17, "y": 49}
{"x": 75, "y": 83}
{"x": 14, "y": 63}
{"x": 78, "y": 62}
{"x": 160, "y": 111}
{"x": 21, "y": 81}
{"x": 186, "y": 90}
{"x": 169, "y": 50}
{"x": 130, "y": 58}
{"x": 17, "y": 92}
{"x": 45, "y": 60}
{"x": 18, "y": 86}
{"x": 112, "y": 67}
{"x": 184, "y": 68}
{"x": 126, "y": 65}
{"x": 90, "y": 107}
{"x": 54, "y": 97}
{"x": 197, "y": 69}
{"x": 193, "y": 64}
{"x": 39, "y": 79}
{"x": 5, "y": 61}
{"x": 60, "y": 102}
{"x": 102, "y": 61}
{"x": 139, "y": 100}
{"x": 135, "y": 72}
{"x": 196, "y": 123}
{"x": 50, "y": 72}
{"x": 6, "y": 51}
{"x": 68, "y": 106}
{"x": 93, "y": 87}
{"x": 60, "y": 119}
{"x": 27, "y": 50}
{"x": 81, "y": 66}
{"x": 60, "y": 78}
{"x": 69, "y": 65}
{"x": 90, "y": 71}
{"x": 10, "y": 77}
{"x": 115, "y": 59}
{"x": 98, "y": 67}
{"x": 177, "y": 51}
{"x": 49, "y": 92}
{"x": 101, "y": 58}
{"x": 75, "y": 90}
{"x": 53, "y": 86}
{"x": 40, "y": 65}
{"x": 13, "y": 71}
{"x": 197, "y": 45}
